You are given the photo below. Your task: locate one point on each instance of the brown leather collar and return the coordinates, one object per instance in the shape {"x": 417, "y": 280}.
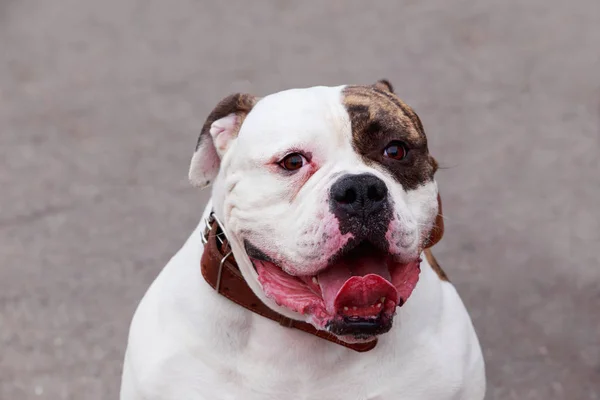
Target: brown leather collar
{"x": 221, "y": 272}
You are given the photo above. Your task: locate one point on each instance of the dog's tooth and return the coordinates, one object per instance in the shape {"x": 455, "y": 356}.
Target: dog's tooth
{"x": 315, "y": 280}
{"x": 354, "y": 308}
{"x": 382, "y": 299}
{"x": 379, "y": 305}
{"x": 345, "y": 308}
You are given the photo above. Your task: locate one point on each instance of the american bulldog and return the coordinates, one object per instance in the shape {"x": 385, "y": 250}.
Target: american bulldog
{"x": 310, "y": 275}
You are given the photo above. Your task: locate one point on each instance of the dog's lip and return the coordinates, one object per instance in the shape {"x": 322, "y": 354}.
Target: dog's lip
{"x": 256, "y": 254}
{"x": 294, "y": 294}
{"x": 304, "y": 294}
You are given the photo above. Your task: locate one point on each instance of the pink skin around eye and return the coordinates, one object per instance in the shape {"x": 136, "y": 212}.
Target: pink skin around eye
{"x": 296, "y": 178}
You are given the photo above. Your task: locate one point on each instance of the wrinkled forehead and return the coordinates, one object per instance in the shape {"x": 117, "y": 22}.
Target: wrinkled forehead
{"x": 342, "y": 117}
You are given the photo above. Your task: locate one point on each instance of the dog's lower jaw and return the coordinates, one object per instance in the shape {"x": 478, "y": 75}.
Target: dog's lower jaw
{"x": 360, "y": 330}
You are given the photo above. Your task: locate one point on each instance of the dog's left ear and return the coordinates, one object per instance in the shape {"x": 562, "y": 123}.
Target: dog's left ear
{"x": 220, "y": 128}
{"x": 438, "y": 227}
{"x": 385, "y": 85}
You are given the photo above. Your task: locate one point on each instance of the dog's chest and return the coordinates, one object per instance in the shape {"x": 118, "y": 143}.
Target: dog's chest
{"x": 292, "y": 375}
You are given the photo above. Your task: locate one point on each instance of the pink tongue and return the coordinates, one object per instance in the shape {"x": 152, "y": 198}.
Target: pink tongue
{"x": 360, "y": 283}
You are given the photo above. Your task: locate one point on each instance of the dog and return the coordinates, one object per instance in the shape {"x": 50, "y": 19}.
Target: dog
{"x": 310, "y": 275}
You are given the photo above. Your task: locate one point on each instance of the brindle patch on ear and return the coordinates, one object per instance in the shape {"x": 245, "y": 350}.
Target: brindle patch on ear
{"x": 206, "y": 161}
{"x": 238, "y": 103}
{"x": 435, "y": 265}
{"x": 379, "y": 117}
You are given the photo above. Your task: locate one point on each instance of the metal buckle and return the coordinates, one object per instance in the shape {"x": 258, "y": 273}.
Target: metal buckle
{"x": 220, "y": 272}
{"x": 207, "y": 228}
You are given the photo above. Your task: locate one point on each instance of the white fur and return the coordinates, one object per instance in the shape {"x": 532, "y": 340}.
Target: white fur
{"x": 188, "y": 342}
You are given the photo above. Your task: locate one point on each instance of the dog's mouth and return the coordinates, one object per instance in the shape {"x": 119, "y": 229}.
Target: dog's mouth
{"x": 355, "y": 297}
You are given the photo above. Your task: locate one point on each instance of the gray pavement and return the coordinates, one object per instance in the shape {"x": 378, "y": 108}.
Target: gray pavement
{"x": 101, "y": 102}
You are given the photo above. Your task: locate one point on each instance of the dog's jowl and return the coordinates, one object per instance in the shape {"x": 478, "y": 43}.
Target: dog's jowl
{"x": 310, "y": 274}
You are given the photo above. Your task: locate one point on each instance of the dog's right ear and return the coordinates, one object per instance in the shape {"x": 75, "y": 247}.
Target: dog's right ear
{"x": 384, "y": 85}
{"x": 220, "y": 128}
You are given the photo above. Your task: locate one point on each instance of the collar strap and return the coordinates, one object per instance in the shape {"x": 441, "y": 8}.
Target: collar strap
{"x": 222, "y": 273}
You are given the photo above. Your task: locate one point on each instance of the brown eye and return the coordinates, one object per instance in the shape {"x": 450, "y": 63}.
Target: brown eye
{"x": 292, "y": 162}
{"x": 396, "y": 150}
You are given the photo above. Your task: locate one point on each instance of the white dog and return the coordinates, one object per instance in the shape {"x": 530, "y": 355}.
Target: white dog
{"x": 310, "y": 274}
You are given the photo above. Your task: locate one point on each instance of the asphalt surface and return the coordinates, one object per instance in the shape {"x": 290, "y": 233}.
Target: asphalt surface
{"x": 101, "y": 102}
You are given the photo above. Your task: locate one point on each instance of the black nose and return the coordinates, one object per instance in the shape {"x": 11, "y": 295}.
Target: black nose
{"x": 359, "y": 195}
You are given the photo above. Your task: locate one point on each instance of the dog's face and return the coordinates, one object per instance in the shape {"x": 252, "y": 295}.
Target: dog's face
{"x": 329, "y": 193}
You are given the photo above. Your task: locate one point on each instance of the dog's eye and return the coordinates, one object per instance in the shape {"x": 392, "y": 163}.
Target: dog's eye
{"x": 292, "y": 162}
{"x": 396, "y": 150}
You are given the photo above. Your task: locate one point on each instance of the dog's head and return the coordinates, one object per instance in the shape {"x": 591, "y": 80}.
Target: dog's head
{"x": 328, "y": 198}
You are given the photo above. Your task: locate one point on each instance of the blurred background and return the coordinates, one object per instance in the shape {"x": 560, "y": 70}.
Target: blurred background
{"x": 101, "y": 103}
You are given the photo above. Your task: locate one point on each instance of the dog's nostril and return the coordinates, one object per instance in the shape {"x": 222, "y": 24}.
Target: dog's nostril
{"x": 376, "y": 192}
{"x": 348, "y": 196}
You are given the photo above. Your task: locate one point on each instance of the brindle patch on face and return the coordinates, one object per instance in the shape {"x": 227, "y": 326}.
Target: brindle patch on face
{"x": 379, "y": 117}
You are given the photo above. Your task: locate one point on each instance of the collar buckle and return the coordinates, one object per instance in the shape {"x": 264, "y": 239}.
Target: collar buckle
{"x": 220, "y": 236}
{"x": 208, "y": 221}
